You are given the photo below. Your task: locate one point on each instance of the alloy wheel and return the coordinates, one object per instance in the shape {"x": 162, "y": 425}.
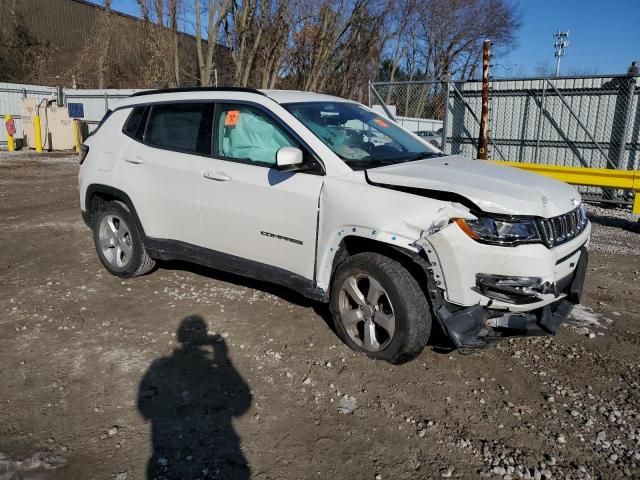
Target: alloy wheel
{"x": 115, "y": 241}
{"x": 366, "y": 312}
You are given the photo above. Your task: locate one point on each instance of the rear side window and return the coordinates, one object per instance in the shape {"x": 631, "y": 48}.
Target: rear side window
{"x": 185, "y": 127}
{"x": 134, "y": 126}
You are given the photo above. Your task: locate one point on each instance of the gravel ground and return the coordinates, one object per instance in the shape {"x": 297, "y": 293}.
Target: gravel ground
{"x": 214, "y": 376}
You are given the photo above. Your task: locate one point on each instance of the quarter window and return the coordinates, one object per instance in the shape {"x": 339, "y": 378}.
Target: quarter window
{"x": 135, "y": 123}
{"x": 184, "y": 127}
{"x": 248, "y": 134}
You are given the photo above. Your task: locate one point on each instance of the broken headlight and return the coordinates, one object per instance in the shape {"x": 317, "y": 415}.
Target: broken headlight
{"x": 501, "y": 231}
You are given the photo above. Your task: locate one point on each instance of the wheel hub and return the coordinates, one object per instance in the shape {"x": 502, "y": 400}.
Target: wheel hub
{"x": 366, "y": 312}
{"x": 115, "y": 241}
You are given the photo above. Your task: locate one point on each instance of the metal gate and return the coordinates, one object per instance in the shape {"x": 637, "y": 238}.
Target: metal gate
{"x": 589, "y": 121}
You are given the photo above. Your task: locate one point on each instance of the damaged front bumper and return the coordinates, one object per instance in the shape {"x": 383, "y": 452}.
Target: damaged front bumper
{"x": 477, "y": 326}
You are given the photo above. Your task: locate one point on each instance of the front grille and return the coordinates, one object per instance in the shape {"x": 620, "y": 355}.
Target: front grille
{"x": 558, "y": 230}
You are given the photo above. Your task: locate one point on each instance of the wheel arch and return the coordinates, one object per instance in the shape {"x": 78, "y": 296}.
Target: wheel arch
{"x": 416, "y": 263}
{"x": 98, "y": 194}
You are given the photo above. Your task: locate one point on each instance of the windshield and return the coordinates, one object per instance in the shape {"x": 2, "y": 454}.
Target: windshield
{"x": 360, "y": 137}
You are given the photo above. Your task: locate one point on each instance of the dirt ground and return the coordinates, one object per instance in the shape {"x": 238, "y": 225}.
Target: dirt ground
{"x": 191, "y": 373}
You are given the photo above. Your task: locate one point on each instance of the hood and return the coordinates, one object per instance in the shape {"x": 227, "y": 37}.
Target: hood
{"x": 493, "y": 188}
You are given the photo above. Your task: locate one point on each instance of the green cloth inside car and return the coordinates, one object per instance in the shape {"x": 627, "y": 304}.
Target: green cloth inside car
{"x": 254, "y": 137}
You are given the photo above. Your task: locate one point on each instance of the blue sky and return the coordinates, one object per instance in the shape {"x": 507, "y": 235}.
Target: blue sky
{"x": 604, "y": 35}
{"x": 127, "y": 6}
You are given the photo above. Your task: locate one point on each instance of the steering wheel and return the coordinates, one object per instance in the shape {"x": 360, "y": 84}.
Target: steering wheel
{"x": 368, "y": 147}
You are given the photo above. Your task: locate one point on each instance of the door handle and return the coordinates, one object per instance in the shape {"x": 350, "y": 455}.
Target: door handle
{"x": 135, "y": 160}
{"x": 217, "y": 176}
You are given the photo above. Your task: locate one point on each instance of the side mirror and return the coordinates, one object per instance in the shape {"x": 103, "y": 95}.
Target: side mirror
{"x": 288, "y": 159}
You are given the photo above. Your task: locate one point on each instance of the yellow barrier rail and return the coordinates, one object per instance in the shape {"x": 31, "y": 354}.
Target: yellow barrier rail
{"x": 590, "y": 177}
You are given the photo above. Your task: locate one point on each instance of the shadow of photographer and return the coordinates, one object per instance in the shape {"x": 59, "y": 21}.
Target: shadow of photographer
{"x": 191, "y": 398}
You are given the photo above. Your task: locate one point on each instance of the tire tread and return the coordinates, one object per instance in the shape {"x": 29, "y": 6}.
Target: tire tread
{"x": 143, "y": 262}
{"x": 418, "y": 327}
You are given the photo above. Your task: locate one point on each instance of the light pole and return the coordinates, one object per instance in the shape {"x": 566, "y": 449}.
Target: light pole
{"x": 562, "y": 42}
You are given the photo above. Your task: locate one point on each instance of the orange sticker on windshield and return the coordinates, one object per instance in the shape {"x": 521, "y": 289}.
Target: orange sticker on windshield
{"x": 231, "y": 120}
{"x": 381, "y": 122}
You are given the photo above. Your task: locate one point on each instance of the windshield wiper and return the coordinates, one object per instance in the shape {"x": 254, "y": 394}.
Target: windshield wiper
{"x": 369, "y": 161}
{"x": 420, "y": 156}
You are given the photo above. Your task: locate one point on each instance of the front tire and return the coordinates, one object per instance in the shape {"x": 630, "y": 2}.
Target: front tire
{"x": 118, "y": 242}
{"x": 378, "y": 308}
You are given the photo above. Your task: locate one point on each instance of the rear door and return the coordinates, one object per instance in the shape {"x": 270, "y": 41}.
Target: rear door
{"x": 160, "y": 170}
{"x": 250, "y": 209}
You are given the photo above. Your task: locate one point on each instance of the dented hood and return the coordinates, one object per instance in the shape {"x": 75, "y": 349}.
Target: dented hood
{"x": 493, "y": 188}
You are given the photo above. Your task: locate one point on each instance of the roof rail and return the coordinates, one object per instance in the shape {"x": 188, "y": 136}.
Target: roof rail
{"x": 197, "y": 89}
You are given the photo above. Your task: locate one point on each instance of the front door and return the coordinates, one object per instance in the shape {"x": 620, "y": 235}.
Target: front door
{"x": 250, "y": 209}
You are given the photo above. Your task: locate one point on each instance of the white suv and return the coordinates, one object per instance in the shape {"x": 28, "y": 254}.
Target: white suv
{"x": 324, "y": 196}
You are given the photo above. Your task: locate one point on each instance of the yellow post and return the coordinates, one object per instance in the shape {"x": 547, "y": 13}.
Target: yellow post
{"x": 37, "y": 133}
{"x": 77, "y": 133}
{"x": 11, "y": 143}
{"x": 636, "y": 197}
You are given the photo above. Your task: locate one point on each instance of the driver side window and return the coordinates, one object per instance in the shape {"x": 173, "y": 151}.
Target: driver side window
{"x": 246, "y": 134}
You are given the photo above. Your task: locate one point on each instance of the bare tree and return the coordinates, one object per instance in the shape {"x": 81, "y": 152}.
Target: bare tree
{"x": 159, "y": 11}
{"x": 174, "y": 6}
{"x": 584, "y": 70}
{"x": 94, "y": 63}
{"x": 318, "y": 39}
{"x": 544, "y": 69}
{"x": 24, "y": 58}
{"x": 216, "y": 11}
{"x": 159, "y": 42}
{"x": 281, "y": 19}
{"x": 105, "y": 33}
{"x": 243, "y": 32}
{"x": 337, "y": 47}
{"x": 404, "y": 16}
{"x": 455, "y": 30}
{"x": 334, "y": 46}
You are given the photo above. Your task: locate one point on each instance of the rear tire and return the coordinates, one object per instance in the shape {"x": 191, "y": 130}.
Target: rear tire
{"x": 379, "y": 308}
{"x": 119, "y": 243}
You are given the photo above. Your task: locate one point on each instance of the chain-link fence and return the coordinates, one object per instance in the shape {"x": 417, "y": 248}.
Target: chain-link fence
{"x": 418, "y": 106}
{"x": 590, "y": 121}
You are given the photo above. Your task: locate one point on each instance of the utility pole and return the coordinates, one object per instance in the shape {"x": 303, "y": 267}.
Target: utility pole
{"x": 562, "y": 42}
{"x": 483, "y": 140}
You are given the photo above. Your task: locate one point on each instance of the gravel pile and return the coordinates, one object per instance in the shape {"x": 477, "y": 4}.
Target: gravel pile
{"x": 570, "y": 417}
{"x": 614, "y": 230}
{"x": 612, "y": 216}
